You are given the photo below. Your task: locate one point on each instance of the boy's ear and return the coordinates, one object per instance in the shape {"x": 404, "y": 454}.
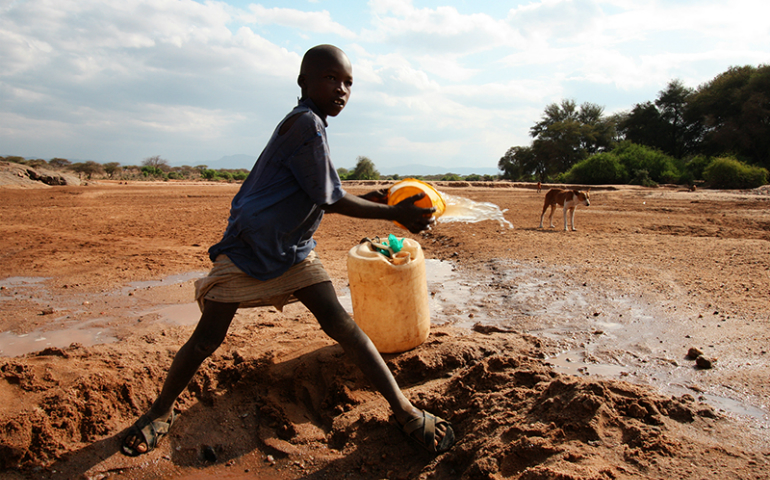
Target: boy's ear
{"x": 301, "y": 80}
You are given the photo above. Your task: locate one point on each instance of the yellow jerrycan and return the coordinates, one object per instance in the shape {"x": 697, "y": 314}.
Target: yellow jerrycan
{"x": 411, "y": 186}
{"x": 390, "y": 294}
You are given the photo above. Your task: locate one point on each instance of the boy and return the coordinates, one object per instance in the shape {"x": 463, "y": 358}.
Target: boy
{"x": 266, "y": 255}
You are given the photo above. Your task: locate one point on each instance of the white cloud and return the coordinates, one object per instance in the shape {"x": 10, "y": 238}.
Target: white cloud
{"x": 318, "y": 22}
{"x": 443, "y": 29}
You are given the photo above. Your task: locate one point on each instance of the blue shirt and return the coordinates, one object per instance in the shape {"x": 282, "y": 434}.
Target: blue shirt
{"x": 277, "y": 209}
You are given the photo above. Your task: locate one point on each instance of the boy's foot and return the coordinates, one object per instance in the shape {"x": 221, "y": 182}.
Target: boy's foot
{"x": 432, "y": 433}
{"x": 145, "y": 433}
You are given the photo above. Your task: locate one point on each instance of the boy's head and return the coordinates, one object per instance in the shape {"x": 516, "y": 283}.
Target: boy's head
{"x": 326, "y": 77}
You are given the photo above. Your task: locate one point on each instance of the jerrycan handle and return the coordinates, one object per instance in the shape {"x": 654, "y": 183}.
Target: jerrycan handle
{"x": 391, "y": 248}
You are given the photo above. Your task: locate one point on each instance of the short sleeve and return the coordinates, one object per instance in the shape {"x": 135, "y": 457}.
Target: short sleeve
{"x": 312, "y": 166}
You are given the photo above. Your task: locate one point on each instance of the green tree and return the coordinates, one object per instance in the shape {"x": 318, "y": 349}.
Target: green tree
{"x": 343, "y": 173}
{"x": 567, "y": 134}
{"x": 520, "y": 163}
{"x": 37, "y": 162}
{"x": 59, "y": 162}
{"x": 664, "y": 124}
{"x": 365, "y": 170}
{"x": 89, "y": 168}
{"x": 111, "y": 168}
{"x": 156, "y": 162}
{"x": 679, "y": 133}
{"x": 734, "y": 108}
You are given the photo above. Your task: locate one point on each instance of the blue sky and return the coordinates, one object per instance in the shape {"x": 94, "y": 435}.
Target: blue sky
{"x": 449, "y": 84}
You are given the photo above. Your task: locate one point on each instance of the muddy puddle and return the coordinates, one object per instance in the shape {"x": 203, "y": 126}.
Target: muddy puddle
{"x": 589, "y": 330}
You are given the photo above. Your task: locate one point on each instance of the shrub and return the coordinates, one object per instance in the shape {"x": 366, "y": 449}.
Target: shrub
{"x": 209, "y": 174}
{"x": 642, "y": 177}
{"x": 152, "y": 171}
{"x": 601, "y": 168}
{"x": 727, "y": 172}
{"x": 660, "y": 167}
{"x": 696, "y": 165}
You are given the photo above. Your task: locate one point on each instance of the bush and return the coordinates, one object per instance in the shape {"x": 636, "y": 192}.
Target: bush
{"x": 152, "y": 171}
{"x": 642, "y": 177}
{"x": 660, "y": 167}
{"x": 602, "y": 168}
{"x": 727, "y": 172}
{"x": 696, "y": 165}
{"x": 209, "y": 174}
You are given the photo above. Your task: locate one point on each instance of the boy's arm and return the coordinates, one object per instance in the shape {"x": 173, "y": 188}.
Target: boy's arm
{"x": 415, "y": 219}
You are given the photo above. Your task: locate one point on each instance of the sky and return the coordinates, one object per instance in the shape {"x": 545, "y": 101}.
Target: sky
{"x": 447, "y": 84}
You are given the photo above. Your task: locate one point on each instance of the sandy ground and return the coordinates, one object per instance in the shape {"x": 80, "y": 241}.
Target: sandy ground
{"x": 557, "y": 355}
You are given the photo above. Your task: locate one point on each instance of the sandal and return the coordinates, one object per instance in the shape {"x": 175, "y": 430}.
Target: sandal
{"x": 423, "y": 431}
{"x": 148, "y": 430}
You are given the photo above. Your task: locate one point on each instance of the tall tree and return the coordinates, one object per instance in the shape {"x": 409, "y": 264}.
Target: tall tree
{"x": 111, "y": 168}
{"x": 365, "y": 170}
{"x": 672, "y": 104}
{"x": 735, "y": 110}
{"x": 567, "y": 134}
{"x": 88, "y": 168}
{"x": 59, "y": 162}
{"x": 520, "y": 163}
{"x": 664, "y": 124}
{"x": 156, "y": 162}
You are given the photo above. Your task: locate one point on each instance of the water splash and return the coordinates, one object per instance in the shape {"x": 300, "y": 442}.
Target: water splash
{"x": 461, "y": 209}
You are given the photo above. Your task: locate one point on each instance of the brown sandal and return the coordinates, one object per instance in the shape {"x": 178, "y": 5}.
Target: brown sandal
{"x": 151, "y": 432}
{"x": 423, "y": 431}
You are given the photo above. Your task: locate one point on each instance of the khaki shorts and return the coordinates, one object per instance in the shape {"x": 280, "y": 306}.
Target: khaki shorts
{"x": 226, "y": 283}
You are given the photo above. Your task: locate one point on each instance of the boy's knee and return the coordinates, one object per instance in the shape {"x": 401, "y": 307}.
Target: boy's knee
{"x": 204, "y": 347}
{"x": 341, "y": 327}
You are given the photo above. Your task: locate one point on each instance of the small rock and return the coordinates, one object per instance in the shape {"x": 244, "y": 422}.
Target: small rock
{"x": 47, "y": 311}
{"x": 705, "y": 362}
{"x": 694, "y": 353}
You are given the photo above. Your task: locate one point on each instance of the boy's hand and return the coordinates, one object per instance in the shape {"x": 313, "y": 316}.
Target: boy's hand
{"x": 414, "y": 218}
{"x": 377, "y": 196}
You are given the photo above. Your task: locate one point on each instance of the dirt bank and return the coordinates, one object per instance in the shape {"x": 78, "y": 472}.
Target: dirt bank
{"x": 649, "y": 274}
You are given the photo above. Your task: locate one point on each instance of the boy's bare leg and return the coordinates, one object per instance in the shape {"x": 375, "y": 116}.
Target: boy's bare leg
{"x": 207, "y": 337}
{"x": 321, "y": 300}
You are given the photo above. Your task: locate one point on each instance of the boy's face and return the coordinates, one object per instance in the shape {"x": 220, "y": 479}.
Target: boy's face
{"x": 328, "y": 83}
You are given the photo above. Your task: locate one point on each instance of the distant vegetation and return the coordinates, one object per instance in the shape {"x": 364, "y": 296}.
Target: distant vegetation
{"x": 151, "y": 169}
{"x": 718, "y": 134}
